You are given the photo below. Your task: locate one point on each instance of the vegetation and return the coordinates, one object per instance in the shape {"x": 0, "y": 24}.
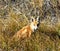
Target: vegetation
{"x": 15, "y": 14}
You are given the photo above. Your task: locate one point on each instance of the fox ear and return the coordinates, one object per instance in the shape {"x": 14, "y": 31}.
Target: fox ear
{"x": 32, "y": 19}
{"x": 38, "y": 19}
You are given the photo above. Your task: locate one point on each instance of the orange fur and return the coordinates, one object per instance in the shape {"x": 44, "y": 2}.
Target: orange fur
{"x": 24, "y": 32}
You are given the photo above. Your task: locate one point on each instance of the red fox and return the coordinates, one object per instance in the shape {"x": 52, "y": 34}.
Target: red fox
{"x": 27, "y": 30}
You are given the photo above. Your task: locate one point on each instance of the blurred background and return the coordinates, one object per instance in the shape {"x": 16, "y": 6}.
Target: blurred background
{"x": 15, "y": 14}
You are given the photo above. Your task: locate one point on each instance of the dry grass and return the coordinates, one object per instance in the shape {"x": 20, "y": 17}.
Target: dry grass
{"x": 46, "y": 38}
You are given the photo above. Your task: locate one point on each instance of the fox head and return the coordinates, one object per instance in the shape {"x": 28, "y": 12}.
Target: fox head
{"x": 34, "y": 23}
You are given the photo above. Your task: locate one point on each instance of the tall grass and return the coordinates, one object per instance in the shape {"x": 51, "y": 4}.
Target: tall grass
{"x": 45, "y": 38}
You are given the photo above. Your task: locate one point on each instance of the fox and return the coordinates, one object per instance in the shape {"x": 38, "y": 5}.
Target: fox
{"x": 27, "y": 30}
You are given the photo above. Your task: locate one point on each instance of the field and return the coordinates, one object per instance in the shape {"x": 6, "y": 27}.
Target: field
{"x": 15, "y": 14}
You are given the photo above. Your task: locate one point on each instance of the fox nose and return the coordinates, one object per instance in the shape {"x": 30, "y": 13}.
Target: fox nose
{"x": 35, "y": 29}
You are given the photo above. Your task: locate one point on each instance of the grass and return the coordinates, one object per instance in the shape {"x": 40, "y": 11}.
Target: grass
{"x": 46, "y": 38}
